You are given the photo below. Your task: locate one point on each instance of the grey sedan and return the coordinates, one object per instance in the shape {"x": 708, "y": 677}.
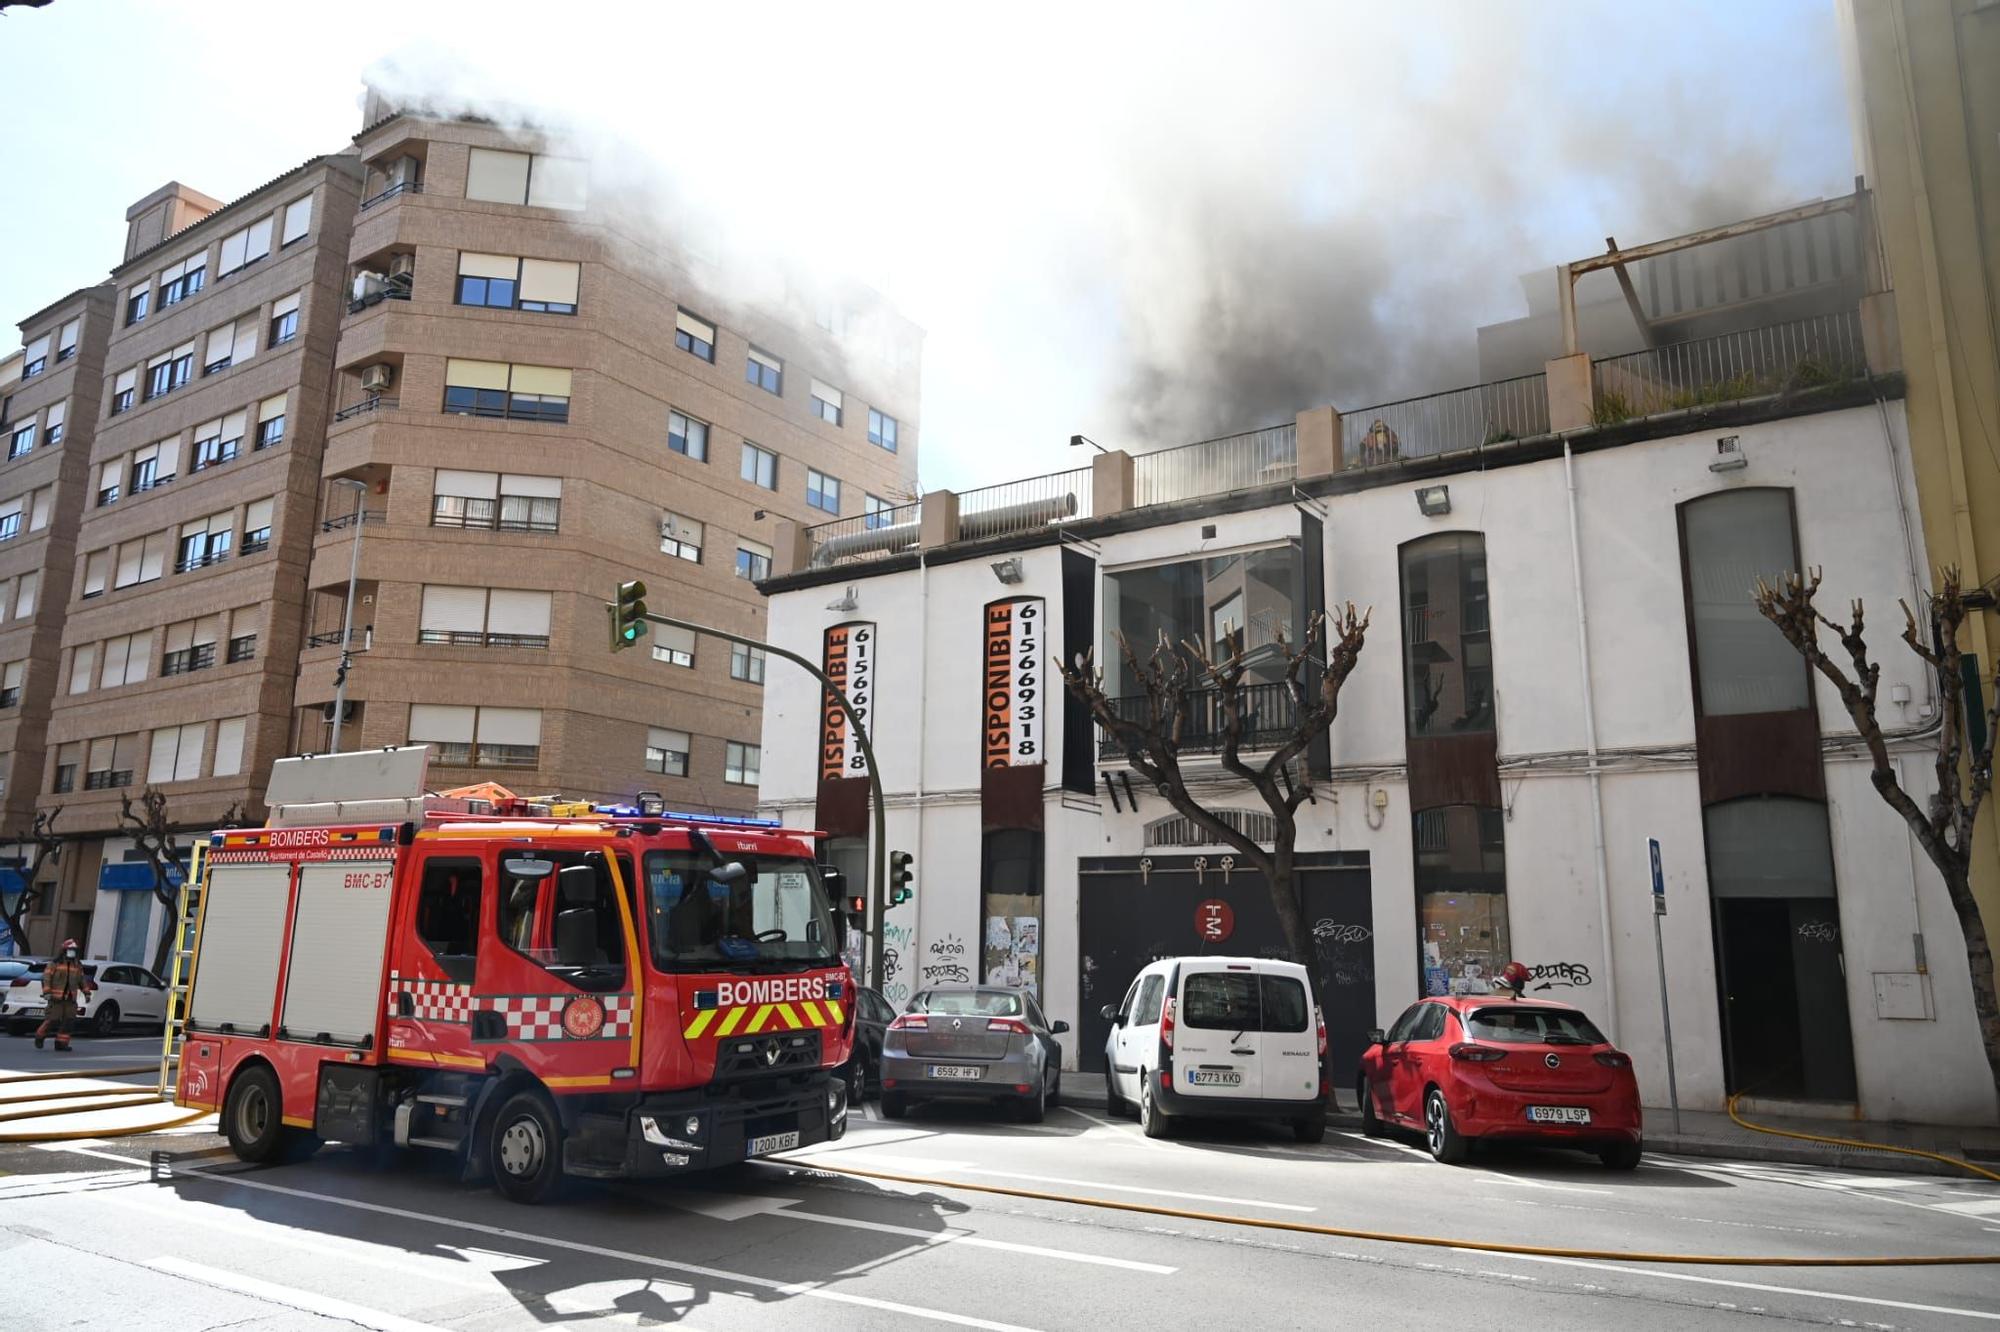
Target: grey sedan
{"x": 973, "y": 1043}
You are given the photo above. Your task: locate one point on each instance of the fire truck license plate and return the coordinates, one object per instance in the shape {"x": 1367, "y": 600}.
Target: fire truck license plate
{"x": 1559, "y": 1114}
{"x": 966, "y": 1072}
{"x": 773, "y": 1142}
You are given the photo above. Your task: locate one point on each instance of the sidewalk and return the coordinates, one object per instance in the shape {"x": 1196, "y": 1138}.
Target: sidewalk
{"x": 1712, "y": 1134}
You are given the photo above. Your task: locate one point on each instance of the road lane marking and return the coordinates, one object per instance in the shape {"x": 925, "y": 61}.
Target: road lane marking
{"x": 808, "y": 1289}
{"x": 1502, "y": 1177}
{"x": 934, "y": 1238}
{"x": 290, "y": 1297}
{"x": 1875, "y": 1300}
{"x": 1134, "y": 1188}
{"x": 1386, "y": 1142}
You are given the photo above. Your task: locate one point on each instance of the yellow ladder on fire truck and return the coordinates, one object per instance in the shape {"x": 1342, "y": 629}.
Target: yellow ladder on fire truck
{"x": 180, "y": 980}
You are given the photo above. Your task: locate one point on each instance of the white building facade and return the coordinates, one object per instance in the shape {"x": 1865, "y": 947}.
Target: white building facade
{"x": 1563, "y": 665}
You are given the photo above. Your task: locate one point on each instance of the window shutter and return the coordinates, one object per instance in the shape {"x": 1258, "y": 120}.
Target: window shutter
{"x": 439, "y": 724}
{"x": 82, "y": 667}
{"x": 12, "y": 678}
{"x": 673, "y": 639}
{"x": 558, "y": 182}
{"x": 548, "y": 280}
{"x": 259, "y": 242}
{"x": 233, "y": 425}
{"x": 117, "y": 652}
{"x": 37, "y": 349}
{"x": 229, "y": 746}
{"x": 517, "y": 612}
{"x": 206, "y": 431}
{"x": 539, "y": 487}
{"x": 58, "y": 413}
{"x": 70, "y": 332}
{"x": 233, "y": 249}
{"x": 221, "y": 344}
{"x": 206, "y": 631}
{"x": 109, "y": 474}
{"x": 245, "y": 621}
{"x": 270, "y": 409}
{"x": 475, "y": 374}
{"x": 170, "y": 458}
{"x": 24, "y": 602}
{"x": 187, "y": 764}
{"x": 172, "y": 272}
{"x": 38, "y": 517}
{"x": 510, "y": 726}
{"x": 466, "y": 485}
{"x": 541, "y": 379}
{"x": 160, "y": 767}
{"x": 454, "y": 610}
{"x": 285, "y": 305}
{"x": 694, "y": 327}
{"x": 180, "y": 637}
{"x": 127, "y": 380}
{"x": 125, "y": 752}
{"x": 96, "y": 572}
{"x": 101, "y": 752}
{"x": 257, "y": 515}
{"x": 136, "y": 662}
{"x": 128, "y": 563}
{"x": 826, "y": 393}
{"x": 298, "y": 219}
{"x": 497, "y": 177}
{"x": 489, "y": 266}
{"x": 769, "y": 362}
{"x": 154, "y": 562}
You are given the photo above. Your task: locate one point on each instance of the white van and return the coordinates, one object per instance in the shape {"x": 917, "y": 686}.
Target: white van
{"x": 1218, "y": 1038}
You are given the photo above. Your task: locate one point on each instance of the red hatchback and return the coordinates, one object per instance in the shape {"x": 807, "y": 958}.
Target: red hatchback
{"x": 1472, "y": 1067}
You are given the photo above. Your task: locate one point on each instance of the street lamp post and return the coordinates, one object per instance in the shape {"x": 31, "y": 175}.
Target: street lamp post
{"x": 879, "y": 852}
{"x": 347, "y": 616}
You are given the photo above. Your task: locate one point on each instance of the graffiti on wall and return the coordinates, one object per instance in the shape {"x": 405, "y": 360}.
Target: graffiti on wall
{"x": 896, "y": 941}
{"x": 945, "y": 964}
{"x": 1549, "y": 975}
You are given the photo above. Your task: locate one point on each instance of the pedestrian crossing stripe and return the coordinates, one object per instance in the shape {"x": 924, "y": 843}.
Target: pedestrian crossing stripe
{"x": 748, "y": 1019}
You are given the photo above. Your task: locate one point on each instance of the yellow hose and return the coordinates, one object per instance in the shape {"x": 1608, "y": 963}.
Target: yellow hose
{"x": 137, "y": 1097}
{"x": 1429, "y": 1241}
{"x": 1851, "y": 1142}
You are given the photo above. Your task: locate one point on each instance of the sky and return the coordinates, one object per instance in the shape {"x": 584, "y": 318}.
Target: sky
{"x": 1146, "y": 223}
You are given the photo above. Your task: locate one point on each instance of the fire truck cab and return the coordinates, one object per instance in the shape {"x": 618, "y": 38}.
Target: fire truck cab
{"x": 540, "y": 989}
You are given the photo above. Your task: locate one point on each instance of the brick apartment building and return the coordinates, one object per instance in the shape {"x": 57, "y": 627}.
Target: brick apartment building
{"x": 516, "y": 394}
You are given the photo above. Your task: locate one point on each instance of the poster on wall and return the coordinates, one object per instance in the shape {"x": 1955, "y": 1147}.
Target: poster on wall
{"x": 849, "y": 661}
{"x": 1015, "y": 644}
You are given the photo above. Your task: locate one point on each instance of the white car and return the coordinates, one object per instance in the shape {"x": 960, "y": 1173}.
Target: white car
{"x": 125, "y": 994}
{"x": 1218, "y": 1038}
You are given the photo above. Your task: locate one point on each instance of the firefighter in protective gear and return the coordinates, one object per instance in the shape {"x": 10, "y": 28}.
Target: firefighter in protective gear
{"x": 63, "y": 983}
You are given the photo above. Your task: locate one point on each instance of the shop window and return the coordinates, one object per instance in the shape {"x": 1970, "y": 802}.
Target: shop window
{"x": 1461, "y": 885}
{"x": 1011, "y": 909}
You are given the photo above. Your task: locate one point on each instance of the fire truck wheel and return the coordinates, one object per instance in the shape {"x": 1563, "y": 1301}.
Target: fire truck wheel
{"x": 252, "y": 1116}
{"x": 525, "y": 1149}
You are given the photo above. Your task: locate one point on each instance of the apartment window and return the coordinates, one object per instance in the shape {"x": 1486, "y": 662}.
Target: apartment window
{"x": 489, "y": 279}
{"x": 522, "y": 178}
{"x": 122, "y": 390}
{"x": 298, "y": 221}
{"x": 746, "y": 663}
{"x": 35, "y": 356}
{"x": 66, "y": 341}
{"x": 152, "y": 467}
{"x": 138, "y": 303}
{"x": 243, "y": 248}
{"x": 882, "y": 429}
{"x": 1190, "y": 600}
{"x": 826, "y": 402}
{"x": 257, "y": 526}
{"x": 271, "y": 422}
{"x": 96, "y": 573}
{"x": 108, "y": 478}
{"x": 24, "y": 598}
{"x": 245, "y": 625}
{"x": 508, "y": 502}
{"x": 680, "y": 536}
{"x": 231, "y": 344}
{"x": 1742, "y": 663}
{"x": 479, "y": 617}
{"x": 82, "y": 668}
{"x": 220, "y": 441}
{"x": 10, "y": 518}
{"x": 42, "y": 503}
{"x": 667, "y": 751}
{"x": 687, "y": 436}
{"x": 177, "y": 752}
{"x": 184, "y": 279}
{"x": 284, "y": 320}
{"x": 753, "y": 561}
{"x": 126, "y": 659}
{"x": 876, "y": 512}
{"x": 191, "y": 645}
{"x": 673, "y": 646}
{"x": 822, "y": 491}
{"x": 479, "y": 737}
{"x": 10, "y": 683}
{"x": 549, "y": 286}
{"x": 22, "y": 442}
{"x": 740, "y": 763}
{"x": 229, "y": 746}
{"x": 110, "y": 763}
{"x": 515, "y": 392}
{"x": 141, "y": 561}
{"x": 52, "y": 431}
{"x": 765, "y": 371}
{"x": 159, "y": 378}
{"x": 67, "y": 759}
{"x": 694, "y": 335}
{"x": 204, "y": 542}
{"x": 760, "y": 466}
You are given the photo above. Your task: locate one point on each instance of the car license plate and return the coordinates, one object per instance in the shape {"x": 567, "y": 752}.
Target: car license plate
{"x": 1214, "y": 1077}
{"x": 961, "y": 1072}
{"x": 772, "y": 1142}
{"x": 1558, "y": 1114}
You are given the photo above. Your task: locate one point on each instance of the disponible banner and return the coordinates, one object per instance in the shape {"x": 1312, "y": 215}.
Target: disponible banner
{"x": 849, "y": 661}
{"x": 1015, "y": 646}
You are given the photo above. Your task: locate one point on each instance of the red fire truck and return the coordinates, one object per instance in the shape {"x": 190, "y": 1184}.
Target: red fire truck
{"x": 539, "y": 989}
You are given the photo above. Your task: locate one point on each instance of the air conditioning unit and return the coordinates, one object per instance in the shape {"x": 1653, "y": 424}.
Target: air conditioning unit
{"x": 346, "y": 712}
{"x": 402, "y": 171}
{"x": 375, "y": 378}
{"x": 402, "y": 265}
{"x": 366, "y": 285}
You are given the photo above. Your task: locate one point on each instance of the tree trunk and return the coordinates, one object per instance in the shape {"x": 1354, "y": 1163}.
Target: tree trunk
{"x": 1291, "y": 912}
{"x": 1979, "y": 955}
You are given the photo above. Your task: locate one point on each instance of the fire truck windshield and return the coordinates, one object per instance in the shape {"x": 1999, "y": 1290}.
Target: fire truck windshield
{"x": 772, "y": 915}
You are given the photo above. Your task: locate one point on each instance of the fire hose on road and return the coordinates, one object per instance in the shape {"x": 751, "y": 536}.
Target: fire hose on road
{"x": 121, "y": 1099}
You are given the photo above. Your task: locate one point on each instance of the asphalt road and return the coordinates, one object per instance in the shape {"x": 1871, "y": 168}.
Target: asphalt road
{"x": 89, "y": 1237}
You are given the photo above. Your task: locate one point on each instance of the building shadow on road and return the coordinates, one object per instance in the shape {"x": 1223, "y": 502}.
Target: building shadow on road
{"x": 660, "y": 1250}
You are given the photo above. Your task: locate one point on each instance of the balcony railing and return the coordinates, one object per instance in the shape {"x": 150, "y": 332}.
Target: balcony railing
{"x": 367, "y": 405}
{"x": 356, "y": 638}
{"x": 1268, "y": 713}
{"x": 866, "y": 536}
{"x": 479, "y": 638}
{"x": 1216, "y": 466}
{"x": 1023, "y": 506}
{"x": 1457, "y": 421}
{"x": 341, "y": 522}
{"x": 376, "y": 297}
{"x": 400, "y": 188}
{"x": 466, "y": 754}
{"x": 1817, "y": 352}
{"x": 106, "y": 781}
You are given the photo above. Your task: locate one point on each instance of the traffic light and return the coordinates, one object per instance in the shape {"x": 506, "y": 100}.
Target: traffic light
{"x": 628, "y": 615}
{"x": 899, "y": 878}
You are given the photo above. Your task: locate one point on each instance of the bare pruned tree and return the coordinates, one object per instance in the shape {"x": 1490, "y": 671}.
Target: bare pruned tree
{"x": 37, "y": 849}
{"x": 1943, "y": 821}
{"x": 157, "y": 837}
{"x": 1174, "y": 680}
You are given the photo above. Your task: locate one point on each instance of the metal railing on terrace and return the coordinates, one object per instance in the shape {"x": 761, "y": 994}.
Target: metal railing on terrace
{"x": 1455, "y": 421}
{"x": 1268, "y": 711}
{"x": 1216, "y": 466}
{"x": 366, "y": 405}
{"x": 1023, "y": 506}
{"x": 1814, "y": 352}
{"x": 866, "y": 536}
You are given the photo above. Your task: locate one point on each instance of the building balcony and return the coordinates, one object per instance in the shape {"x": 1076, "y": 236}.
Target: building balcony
{"x": 1268, "y": 710}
